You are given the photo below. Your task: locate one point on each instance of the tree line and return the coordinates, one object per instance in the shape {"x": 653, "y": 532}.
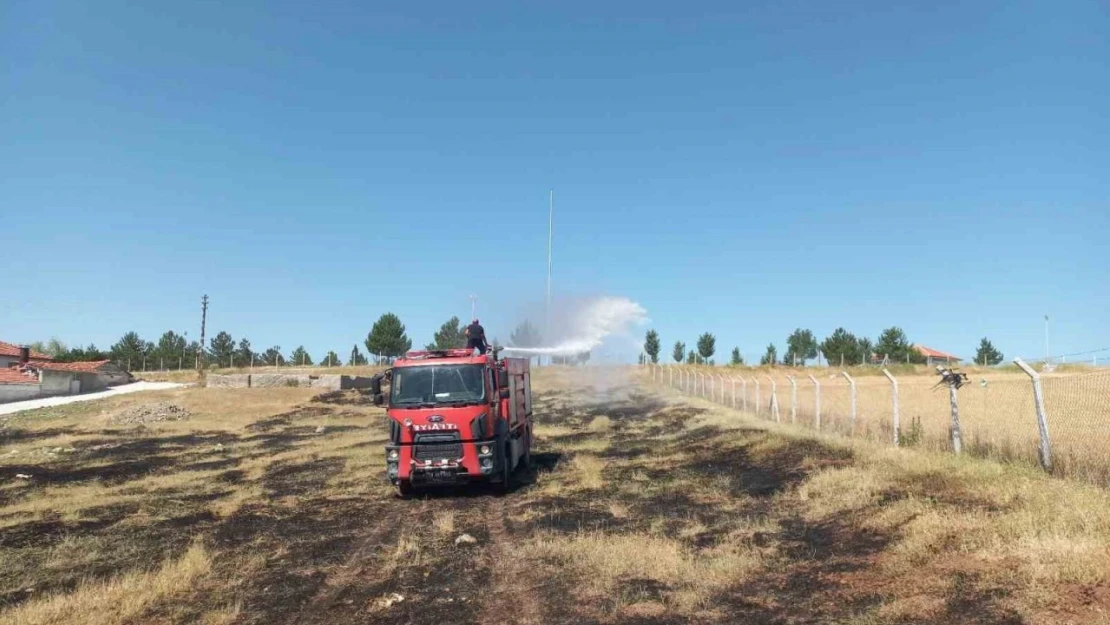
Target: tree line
{"x": 839, "y": 348}
{"x": 386, "y": 340}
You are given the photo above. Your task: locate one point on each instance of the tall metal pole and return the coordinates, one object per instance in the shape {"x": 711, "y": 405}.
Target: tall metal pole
{"x": 473, "y": 298}
{"x": 550, "y": 232}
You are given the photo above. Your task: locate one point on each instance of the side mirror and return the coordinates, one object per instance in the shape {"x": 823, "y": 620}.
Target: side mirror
{"x": 503, "y": 393}
{"x": 376, "y": 385}
{"x": 503, "y": 379}
{"x": 379, "y": 399}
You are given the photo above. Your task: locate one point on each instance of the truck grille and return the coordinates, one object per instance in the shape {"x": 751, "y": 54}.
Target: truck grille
{"x": 437, "y": 446}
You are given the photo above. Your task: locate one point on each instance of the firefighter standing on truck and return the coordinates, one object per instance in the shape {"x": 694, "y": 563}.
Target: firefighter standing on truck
{"x": 476, "y": 337}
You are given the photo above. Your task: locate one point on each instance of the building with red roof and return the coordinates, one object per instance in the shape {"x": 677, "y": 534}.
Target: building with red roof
{"x": 10, "y": 354}
{"x": 27, "y": 374}
{"x": 934, "y": 356}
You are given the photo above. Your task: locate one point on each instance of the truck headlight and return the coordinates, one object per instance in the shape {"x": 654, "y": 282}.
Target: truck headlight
{"x": 486, "y": 463}
{"x": 393, "y": 455}
{"x": 484, "y": 450}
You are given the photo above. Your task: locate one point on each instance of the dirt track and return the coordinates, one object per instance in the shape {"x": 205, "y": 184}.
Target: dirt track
{"x": 641, "y": 509}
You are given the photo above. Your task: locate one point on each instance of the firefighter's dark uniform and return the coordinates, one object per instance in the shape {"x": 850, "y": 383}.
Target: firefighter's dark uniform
{"x": 476, "y": 337}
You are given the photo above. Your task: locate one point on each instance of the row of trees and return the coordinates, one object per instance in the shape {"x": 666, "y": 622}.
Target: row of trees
{"x": 841, "y": 347}
{"x": 386, "y": 340}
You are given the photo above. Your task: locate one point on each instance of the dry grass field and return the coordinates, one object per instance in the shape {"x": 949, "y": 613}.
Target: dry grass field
{"x": 270, "y": 506}
{"x": 997, "y": 410}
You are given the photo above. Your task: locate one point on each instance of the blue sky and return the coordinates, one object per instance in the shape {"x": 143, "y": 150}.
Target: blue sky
{"x": 742, "y": 168}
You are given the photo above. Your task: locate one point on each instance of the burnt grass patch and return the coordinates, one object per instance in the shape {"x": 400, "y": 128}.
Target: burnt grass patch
{"x": 566, "y": 516}
{"x": 299, "y": 543}
{"x": 119, "y": 546}
{"x": 350, "y": 397}
{"x": 301, "y": 478}
{"x": 765, "y": 473}
{"x": 826, "y": 575}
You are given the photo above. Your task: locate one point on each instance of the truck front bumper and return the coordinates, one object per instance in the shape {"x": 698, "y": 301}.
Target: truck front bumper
{"x": 479, "y": 461}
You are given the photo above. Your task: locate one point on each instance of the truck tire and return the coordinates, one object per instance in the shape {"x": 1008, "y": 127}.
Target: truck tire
{"x": 526, "y": 459}
{"x": 404, "y": 489}
{"x": 506, "y": 469}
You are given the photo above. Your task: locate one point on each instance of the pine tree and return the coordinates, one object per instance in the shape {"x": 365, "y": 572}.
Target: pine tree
{"x": 770, "y": 357}
{"x": 894, "y": 344}
{"x": 356, "y": 359}
{"x": 128, "y": 351}
{"x": 170, "y": 350}
{"x": 987, "y": 355}
{"x": 221, "y": 348}
{"x": 244, "y": 356}
{"x": 651, "y": 345}
{"x": 272, "y": 357}
{"x": 800, "y": 345}
{"x": 300, "y": 357}
{"x": 387, "y": 337}
{"x": 737, "y": 359}
{"x": 450, "y": 336}
{"x": 841, "y": 345}
{"x": 707, "y": 345}
{"x": 679, "y": 351}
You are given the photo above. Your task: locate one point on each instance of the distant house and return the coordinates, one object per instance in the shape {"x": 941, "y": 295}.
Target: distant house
{"x": 30, "y": 375}
{"x": 931, "y": 356}
{"x": 11, "y": 355}
{"x": 935, "y": 356}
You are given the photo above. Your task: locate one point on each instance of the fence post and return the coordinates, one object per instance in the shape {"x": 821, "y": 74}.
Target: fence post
{"x": 670, "y": 377}
{"x": 852, "y": 418}
{"x": 793, "y": 400}
{"x": 957, "y": 442}
{"x": 722, "y": 389}
{"x": 652, "y": 367}
{"x": 1042, "y": 417}
{"x": 758, "y": 399}
{"x": 733, "y": 393}
{"x": 744, "y": 388}
{"x": 894, "y": 400}
{"x": 712, "y": 386}
{"x": 774, "y": 400}
{"x": 816, "y": 403}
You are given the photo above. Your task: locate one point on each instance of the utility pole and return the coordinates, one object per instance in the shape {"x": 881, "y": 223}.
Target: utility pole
{"x": 203, "y": 322}
{"x": 473, "y": 299}
{"x": 550, "y": 232}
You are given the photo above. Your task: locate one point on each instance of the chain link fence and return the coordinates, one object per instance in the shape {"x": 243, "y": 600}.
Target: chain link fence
{"x": 997, "y": 412}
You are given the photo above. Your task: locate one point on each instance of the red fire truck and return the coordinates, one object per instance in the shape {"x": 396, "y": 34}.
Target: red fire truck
{"x": 456, "y": 418}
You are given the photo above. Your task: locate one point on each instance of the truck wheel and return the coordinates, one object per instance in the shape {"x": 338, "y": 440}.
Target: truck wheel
{"x": 526, "y": 459}
{"x": 506, "y": 470}
{"x": 404, "y": 488}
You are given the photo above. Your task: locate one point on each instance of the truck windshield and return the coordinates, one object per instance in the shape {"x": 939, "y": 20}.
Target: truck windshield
{"x": 438, "y": 385}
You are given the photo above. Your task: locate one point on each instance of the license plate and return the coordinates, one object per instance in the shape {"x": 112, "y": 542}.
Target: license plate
{"x": 441, "y": 476}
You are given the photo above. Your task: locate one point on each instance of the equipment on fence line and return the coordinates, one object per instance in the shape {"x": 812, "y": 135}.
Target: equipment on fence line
{"x": 950, "y": 377}
{"x": 953, "y": 380}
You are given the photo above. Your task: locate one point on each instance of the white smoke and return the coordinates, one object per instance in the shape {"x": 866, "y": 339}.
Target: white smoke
{"x": 584, "y": 326}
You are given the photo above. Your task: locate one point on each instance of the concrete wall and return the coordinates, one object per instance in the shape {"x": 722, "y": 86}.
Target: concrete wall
{"x": 276, "y": 380}
{"x": 56, "y": 382}
{"x": 101, "y": 380}
{"x": 18, "y": 392}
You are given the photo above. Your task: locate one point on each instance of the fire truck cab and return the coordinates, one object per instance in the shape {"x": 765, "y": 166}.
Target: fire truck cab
{"x": 457, "y": 418}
